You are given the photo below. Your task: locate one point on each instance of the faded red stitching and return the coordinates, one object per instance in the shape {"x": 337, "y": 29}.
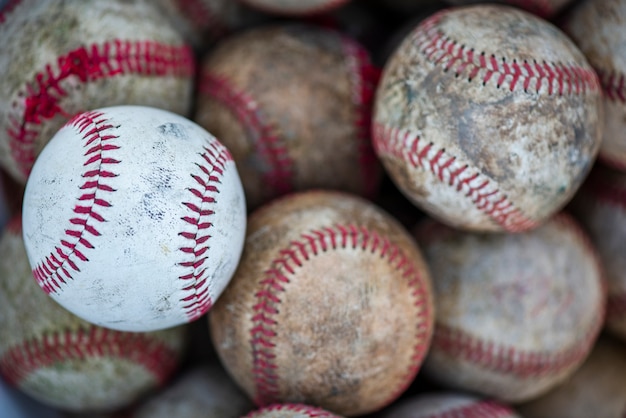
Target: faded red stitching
{"x": 8, "y": 8}
{"x": 214, "y": 158}
{"x": 265, "y": 138}
{"x": 322, "y": 8}
{"x": 524, "y": 363}
{"x": 40, "y": 100}
{"x": 99, "y": 140}
{"x": 201, "y": 16}
{"x": 364, "y": 76}
{"x": 291, "y": 258}
{"x": 484, "y": 193}
{"x": 478, "y": 409}
{"x": 310, "y": 411}
{"x": 21, "y": 360}
{"x": 461, "y": 60}
{"x": 613, "y": 84}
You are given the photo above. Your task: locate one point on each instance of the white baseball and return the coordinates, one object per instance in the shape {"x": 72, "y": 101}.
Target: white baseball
{"x": 134, "y": 218}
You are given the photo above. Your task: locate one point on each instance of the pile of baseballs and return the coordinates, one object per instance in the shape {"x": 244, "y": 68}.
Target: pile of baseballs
{"x": 313, "y": 208}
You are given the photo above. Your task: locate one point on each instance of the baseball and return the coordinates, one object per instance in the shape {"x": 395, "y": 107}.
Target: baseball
{"x": 488, "y": 118}
{"x": 134, "y": 218}
{"x": 63, "y": 361}
{"x": 600, "y": 206}
{"x": 59, "y": 58}
{"x": 290, "y": 411}
{"x": 205, "y": 391}
{"x": 295, "y": 7}
{"x": 330, "y": 306}
{"x": 599, "y": 29}
{"x": 597, "y": 389}
{"x": 517, "y": 313}
{"x": 542, "y": 8}
{"x": 293, "y": 104}
{"x": 448, "y": 405}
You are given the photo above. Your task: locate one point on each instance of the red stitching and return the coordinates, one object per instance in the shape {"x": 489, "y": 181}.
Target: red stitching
{"x": 310, "y": 411}
{"x": 8, "y": 8}
{"x": 21, "y": 360}
{"x": 484, "y": 193}
{"x": 613, "y": 84}
{"x": 202, "y": 17}
{"x": 524, "y": 363}
{"x": 58, "y": 267}
{"x": 40, "y": 99}
{"x": 197, "y": 300}
{"x": 456, "y": 57}
{"x": 264, "y": 135}
{"x": 477, "y": 409}
{"x": 276, "y": 278}
{"x": 322, "y": 8}
{"x": 365, "y": 77}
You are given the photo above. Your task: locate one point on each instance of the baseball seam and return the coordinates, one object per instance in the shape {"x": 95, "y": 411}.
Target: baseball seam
{"x": 613, "y": 84}
{"x": 264, "y": 135}
{"x": 478, "y": 409}
{"x": 364, "y": 78}
{"x": 312, "y": 10}
{"x": 19, "y": 361}
{"x": 483, "y": 192}
{"x": 507, "y": 359}
{"x": 202, "y": 17}
{"x": 310, "y": 411}
{"x": 99, "y": 140}
{"x": 197, "y": 299}
{"x": 456, "y": 57}
{"x": 276, "y": 278}
{"x": 41, "y": 98}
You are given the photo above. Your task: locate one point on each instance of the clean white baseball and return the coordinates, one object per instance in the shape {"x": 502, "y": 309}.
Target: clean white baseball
{"x": 134, "y": 218}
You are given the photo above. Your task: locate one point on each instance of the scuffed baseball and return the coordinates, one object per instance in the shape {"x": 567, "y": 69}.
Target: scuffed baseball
{"x": 599, "y": 29}
{"x": 63, "y": 361}
{"x": 61, "y": 57}
{"x": 204, "y": 392}
{"x": 134, "y": 218}
{"x": 290, "y": 411}
{"x": 488, "y": 118}
{"x": 597, "y": 389}
{"x": 517, "y": 313}
{"x": 449, "y": 405}
{"x": 330, "y": 306}
{"x": 293, "y": 104}
{"x": 600, "y": 206}
{"x": 295, "y": 7}
{"x": 542, "y": 8}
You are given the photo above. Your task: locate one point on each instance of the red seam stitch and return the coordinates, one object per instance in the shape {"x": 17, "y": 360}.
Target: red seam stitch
{"x": 7, "y": 9}
{"x": 485, "y": 196}
{"x": 439, "y": 50}
{"x": 96, "y": 136}
{"x": 322, "y": 8}
{"x": 40, "y": 99}
{"x": 613, "y": 84}
{"x": 364, "y": 76}
{"x": 275, "y": 279}
{"x": 310, "y": 411}
{"x": 264, "y": 137}
{"x": 477, "y": 409}
{"x": 197, "y": 300}
{"x": 21, "y": 360}
{"x": 202, "y": 17}
{"x": 525, "y": 363}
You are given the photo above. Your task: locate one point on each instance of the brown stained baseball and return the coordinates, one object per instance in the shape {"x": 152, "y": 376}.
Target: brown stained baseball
{"x": 516, "y": 313}
{"x": 600, "y": 206}
{"x": 448, "y": 405}
{"x": 599, "y": 29}
{"x": 290, "y": 411}
{"x": 542, "y": 8}
{"x": 597, "y": 389}
{"x": 65, "y": 362}
{"x": 203, "y": 392}
{"x": 58, "y": 58}
{"x": 293, "y": 105}
{"x": 488, "y": 118}
{"x": 295, "y": 7}
{"x": 330, "y": 306}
